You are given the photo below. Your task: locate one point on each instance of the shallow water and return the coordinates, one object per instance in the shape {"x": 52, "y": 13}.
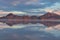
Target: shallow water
{"x": 39, "y": 31}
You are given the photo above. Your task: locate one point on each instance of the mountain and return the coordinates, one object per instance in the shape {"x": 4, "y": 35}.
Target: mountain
{"x": 12, "y": 16}
{"x": 50, "y": 16}
{"x": 12, "y": 19}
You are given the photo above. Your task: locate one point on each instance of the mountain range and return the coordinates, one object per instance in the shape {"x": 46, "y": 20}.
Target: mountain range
{"x": 12, "y": 19}
{"x": 47, "y": 15}
{"x": 50, "y": 16}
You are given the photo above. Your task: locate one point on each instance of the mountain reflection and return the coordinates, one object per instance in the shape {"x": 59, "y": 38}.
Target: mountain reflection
{"x": 49, "y": 24}
{"x": 46, "y": 23}
{"x": 29, "y": 32}
{"x": 37, "y": 32}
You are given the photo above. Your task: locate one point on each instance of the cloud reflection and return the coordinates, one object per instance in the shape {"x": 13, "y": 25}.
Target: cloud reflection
{"x": 21, "y": 34}
{"x": 31, "y": 31}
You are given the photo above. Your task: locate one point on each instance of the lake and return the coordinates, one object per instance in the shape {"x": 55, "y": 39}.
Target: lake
{"x": 38, "y": 31}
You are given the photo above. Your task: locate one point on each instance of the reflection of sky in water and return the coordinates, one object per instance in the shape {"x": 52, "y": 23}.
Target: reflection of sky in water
{"x": 30, "y": 28}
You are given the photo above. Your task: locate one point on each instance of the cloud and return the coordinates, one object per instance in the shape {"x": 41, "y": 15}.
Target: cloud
{"x": 24, "y": 4}
{"x": 14, "y": 12}
{"x": 27, "y": 2}
{"x": 54, "y": 8}
{"x": 15, "y": 3}
{"x": 33, "y": 6}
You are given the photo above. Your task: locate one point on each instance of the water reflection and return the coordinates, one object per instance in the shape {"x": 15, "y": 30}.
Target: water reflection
{"x": 20, "y": 34}
{"x": 22, "y": 31}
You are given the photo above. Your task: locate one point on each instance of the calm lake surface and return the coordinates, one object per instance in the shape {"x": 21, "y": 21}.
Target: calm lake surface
{"x": 39, "y": 31}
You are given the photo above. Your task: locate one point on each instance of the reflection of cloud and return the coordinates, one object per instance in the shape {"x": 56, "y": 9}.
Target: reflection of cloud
{"x": 21, "y": 34}
{"x": 15, "y": 36}
{"x": 57, "y": 27}
{"x": 49, "y": 29}
{"x": 53, "y": 29}
{"x": 3, "y": 25}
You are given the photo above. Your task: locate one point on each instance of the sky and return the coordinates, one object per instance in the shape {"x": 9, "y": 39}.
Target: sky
{"x": 29, "y": 6}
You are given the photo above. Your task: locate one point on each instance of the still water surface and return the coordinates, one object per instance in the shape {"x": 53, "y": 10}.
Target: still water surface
{"x": 39, "y": 31}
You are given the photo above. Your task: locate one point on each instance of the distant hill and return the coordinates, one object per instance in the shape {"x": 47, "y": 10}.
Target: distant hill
{"x": 50, "y": 16}
{"x": 12, "y": 19}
